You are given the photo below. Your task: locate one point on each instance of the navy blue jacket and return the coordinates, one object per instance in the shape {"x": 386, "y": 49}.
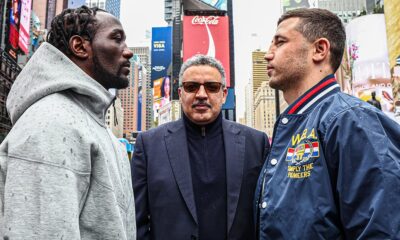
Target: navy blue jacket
{"x": 162, "y": 181}
{"x": 333, "y": 170}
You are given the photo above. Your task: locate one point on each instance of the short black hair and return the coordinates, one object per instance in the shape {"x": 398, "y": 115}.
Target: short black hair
{"x": 320, "y": 23}
{"x": 71, "y": 22}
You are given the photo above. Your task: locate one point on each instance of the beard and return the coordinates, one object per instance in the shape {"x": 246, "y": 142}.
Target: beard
{"x": 106, "y": 78}
{"x": 289, "y": 76}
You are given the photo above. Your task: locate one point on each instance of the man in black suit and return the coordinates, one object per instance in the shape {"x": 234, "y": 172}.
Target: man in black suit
{"x": 195, "y": 178}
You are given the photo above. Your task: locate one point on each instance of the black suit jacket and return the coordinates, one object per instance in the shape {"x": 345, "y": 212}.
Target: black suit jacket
{"x": 162, "y": 181}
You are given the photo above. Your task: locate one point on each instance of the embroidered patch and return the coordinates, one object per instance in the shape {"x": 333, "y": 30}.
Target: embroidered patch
{"x": 302, "y": 153}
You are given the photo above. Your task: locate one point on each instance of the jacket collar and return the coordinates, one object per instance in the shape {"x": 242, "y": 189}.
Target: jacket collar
{"x": 314, "y": 95}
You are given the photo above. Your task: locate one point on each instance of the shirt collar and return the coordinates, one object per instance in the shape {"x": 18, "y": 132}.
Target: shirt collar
{"x": 321, "y": 90}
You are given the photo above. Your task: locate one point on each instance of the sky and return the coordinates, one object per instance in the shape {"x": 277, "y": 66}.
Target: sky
{"x": 254, "y": 24}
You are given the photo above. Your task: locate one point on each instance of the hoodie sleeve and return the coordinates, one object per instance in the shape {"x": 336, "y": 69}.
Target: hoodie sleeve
{"x": 45, "y": 177}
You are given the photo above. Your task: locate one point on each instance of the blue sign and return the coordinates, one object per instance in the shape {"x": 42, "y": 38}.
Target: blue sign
{"x": 230, "y": 99}
{"x": 161, "y": 52}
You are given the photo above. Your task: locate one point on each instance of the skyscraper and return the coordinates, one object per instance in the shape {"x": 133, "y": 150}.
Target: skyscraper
{"x": 264, "y": 108}
{"x": 144, "y": 54}
{"x": 134, "y": 100}
{"x": 111, "y": 6}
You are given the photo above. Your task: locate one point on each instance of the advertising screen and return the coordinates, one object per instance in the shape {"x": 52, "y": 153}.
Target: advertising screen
{"x": 161, "y": 52}
{"x": 208, "y": 35}
{"x": 368, "y": 57}
{"x": 13, "y": 34}
{"x": 161, "y": 65}
{"x": 25, "y": 25}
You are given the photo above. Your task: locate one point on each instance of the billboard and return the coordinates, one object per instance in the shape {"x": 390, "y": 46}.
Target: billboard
{"x": 13, "y": 33}
{"x": 369, "y": 61}
{"x": 161, "y": 65}
{"x": 208, "y": 35}
{"x": 25, "y": 21}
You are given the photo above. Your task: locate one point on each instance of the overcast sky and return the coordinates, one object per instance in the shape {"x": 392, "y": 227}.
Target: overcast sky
{"x": 254, "y": 25}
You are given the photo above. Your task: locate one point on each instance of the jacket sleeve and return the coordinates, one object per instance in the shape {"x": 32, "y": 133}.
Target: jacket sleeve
{"x": 40, "y": 199}
{"x": 363, "y": 152}
{"x": 139, "y": 182}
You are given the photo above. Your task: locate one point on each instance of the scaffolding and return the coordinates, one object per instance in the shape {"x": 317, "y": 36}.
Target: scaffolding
{"x": 9, "y": 70}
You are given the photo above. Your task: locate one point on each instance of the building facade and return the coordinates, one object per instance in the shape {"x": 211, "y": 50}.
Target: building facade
{"x": 115, "y": 118}
{"x": 264, "y": 109}
{"x": 133, "y": 100}
{"x": 111, "y": 6}
{"x": 249, "y": 109}
{"x": 259, "y": 75}
{"x": 143, "y": 53}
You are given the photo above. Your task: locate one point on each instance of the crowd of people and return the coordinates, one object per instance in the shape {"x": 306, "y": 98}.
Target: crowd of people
{"x": 332, "y": 170}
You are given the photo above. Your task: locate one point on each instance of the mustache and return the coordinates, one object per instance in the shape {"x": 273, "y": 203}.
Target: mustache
{"x": 202, "y": 103}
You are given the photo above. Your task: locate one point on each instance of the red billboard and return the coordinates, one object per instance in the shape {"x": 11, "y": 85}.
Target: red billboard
{"x": 208, "y": 35}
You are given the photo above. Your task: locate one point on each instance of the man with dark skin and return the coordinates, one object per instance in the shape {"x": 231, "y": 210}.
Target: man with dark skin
{"x": 333, "y": 171}
{"x": 63, "y": 175}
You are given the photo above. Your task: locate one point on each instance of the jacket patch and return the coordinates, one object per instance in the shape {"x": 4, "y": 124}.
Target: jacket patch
{"x": 302, "y": 153}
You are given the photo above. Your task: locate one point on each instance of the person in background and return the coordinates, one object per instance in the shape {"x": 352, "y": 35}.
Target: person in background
{"x": 333, "y": 171}
{"x": 374, "y": 102}
{"x": 63, "y": 175}
{"x": 195, "y": 178}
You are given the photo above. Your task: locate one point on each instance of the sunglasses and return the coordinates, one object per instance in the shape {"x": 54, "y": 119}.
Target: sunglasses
{"x": 210, "y": 87}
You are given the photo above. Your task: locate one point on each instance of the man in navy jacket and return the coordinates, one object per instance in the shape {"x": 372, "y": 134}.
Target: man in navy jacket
{"x": 334, "y": 167}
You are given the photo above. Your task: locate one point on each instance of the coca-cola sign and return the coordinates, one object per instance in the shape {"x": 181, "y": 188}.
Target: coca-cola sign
{"x": 209, "y": 20}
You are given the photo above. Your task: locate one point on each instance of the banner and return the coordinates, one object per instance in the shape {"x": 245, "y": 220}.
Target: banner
{"x": 24, "y": 26}
{"x": 161, "y": 65}
{"x": 208, "y": 35}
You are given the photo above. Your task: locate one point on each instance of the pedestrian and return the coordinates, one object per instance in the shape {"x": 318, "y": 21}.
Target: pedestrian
{"x": 333, "y": 171}
{"x": 63, "y": 174}
{"x": 195, "y": 178}
{"x": 374, "y": 102}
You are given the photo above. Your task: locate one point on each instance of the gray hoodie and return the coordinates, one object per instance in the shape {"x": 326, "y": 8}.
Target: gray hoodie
{"x": 63, "y": 175}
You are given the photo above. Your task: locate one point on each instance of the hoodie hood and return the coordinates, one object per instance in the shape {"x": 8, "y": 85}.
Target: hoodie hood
{"x": 50, "y": 71}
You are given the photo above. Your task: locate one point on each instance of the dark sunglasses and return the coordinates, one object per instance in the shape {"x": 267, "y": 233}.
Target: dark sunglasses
{"x": 210, "y": 87}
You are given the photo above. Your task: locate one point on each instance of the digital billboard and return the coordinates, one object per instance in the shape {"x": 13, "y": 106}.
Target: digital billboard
{"x": 13, "y": 33}
{"x": 25, "y": 20}
{"x": 208, "y": 35}
{"x": 368, "y": 57}
{"x": 161, "y": 65}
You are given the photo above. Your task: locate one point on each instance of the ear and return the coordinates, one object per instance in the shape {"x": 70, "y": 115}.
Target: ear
{"x": 322, "y": 48}
{"x": 179, "y": 93}
{"x": 80, "y": 47}
{"x": 225, "y": 95}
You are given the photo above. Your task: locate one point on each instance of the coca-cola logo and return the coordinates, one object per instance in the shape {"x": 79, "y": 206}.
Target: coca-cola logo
{"x": 213, "y": 20}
